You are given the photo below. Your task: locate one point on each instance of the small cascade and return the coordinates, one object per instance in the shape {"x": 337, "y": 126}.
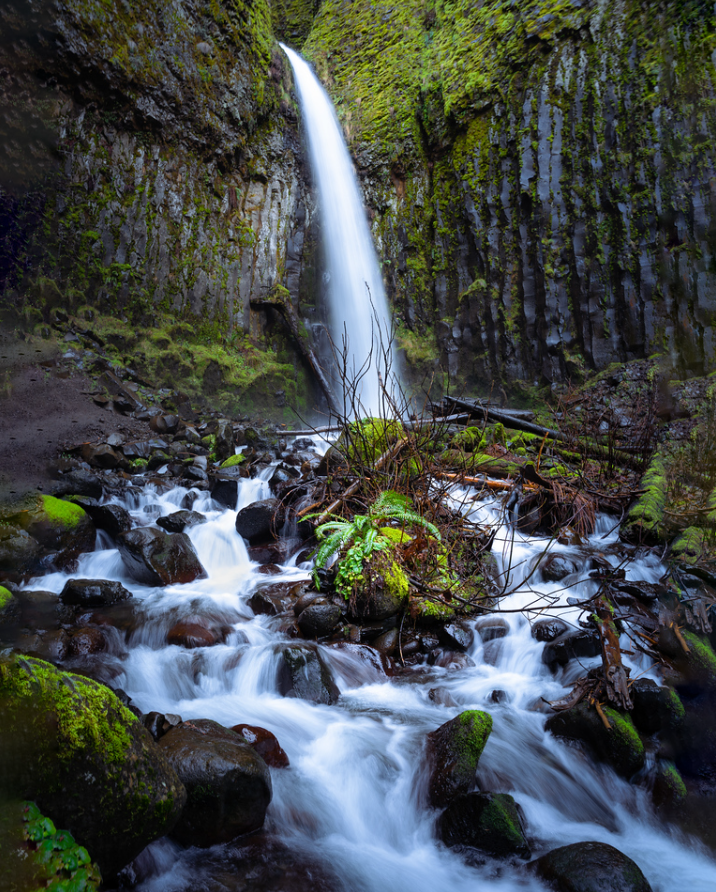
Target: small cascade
{"x": 359, "y": 314}
{"x": 353, "y": 804}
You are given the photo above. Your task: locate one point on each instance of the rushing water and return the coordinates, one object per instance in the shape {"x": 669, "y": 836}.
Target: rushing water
{"x": 359, "y": 314}
{"x": 354, "y": 797}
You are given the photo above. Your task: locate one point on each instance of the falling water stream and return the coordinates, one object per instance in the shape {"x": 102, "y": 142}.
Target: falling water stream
{"x": 359, "y": 315}
{"x": 354, "y": 801}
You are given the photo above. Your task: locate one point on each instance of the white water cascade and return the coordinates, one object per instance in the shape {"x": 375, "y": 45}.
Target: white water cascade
{"x": 358, "y": 308}
{"x": 351, "y": 813}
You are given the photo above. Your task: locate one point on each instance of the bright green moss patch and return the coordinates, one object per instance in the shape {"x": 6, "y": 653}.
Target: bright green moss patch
{"x": 701, "y": 657}
{"x": 645, "y": 519}
{"x": 62, "y": 513}
{"x": 475, "y": 728}
{"x": 233, "y": 460}
{"x": 5, "y": 598}
{"x": 366, "y": 440}
{"x": 693, "y": 545}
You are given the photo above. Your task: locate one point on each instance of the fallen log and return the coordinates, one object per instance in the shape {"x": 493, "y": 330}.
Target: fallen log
{"x": 615, "y": 676}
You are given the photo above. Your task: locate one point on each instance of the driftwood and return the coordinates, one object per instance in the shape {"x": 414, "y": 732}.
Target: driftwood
{"x": 615, "y": 676}
{"x": 284, "y": 307}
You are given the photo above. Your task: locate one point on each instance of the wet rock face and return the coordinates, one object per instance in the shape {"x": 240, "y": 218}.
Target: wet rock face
{"x": 157, "y": 558}
{"x": 591, "y": 867}
{"x": 303, "y": 674}
{"x": 228, "y": 784}
{"x": 490, "y": 822}
{"x": 265, "y": 744}
{"x": 194, "y": 633}
{"x": 179, "y": 520}
{"x": 259, "y": 520}
{"x": 454, "y": 751}
{"x": 620, "y": 746}
{"x": 93, "y": 593}
{"x": 319, "y": 619}
{"x": 68, "y": 744}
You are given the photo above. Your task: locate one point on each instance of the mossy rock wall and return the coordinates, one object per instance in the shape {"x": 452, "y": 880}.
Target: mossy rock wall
{"x": 539, "y": 174}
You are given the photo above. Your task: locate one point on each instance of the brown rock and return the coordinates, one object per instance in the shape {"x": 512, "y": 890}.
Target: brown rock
{"x": 265, "y": 744}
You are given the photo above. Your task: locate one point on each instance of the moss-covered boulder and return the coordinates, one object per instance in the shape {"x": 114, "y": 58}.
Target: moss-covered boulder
{"x": 490, "y": 822}
{"x": 693, "y": 661}
{"x": 364, "y": 441}
{"x": 591, "y": 867}
{"x": 620, "y": 746}
{"x": 69, "y": 744}
{"x": 645, "y": 520}
{"x": 6, "y": 599}
{"x": 382, "y": 590}
{"x": 693, "y": 545}
{"x": 454, "y": 751}
{"x": 44, "y": 523}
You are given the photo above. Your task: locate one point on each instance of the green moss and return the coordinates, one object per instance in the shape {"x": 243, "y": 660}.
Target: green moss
{"x": 475, "y": 726}
{"x": 645, "y": 518}
{"x": 62, "y": 513}
{"x": 396, "y": 582}
{"x": 5, "y": 598}
{"x": 701, "y": 657}
{"x": 470, "y": 439}
{"x": 675, "y": 788}
{"x": 366, "y": 440}
{"x": 398, "y": 537}
{"x": 693, "y": 545}
{"x": 233, "y": 460}
{"x": 624, "y": 738}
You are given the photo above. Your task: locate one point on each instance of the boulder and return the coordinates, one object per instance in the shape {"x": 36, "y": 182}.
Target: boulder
{"x": 224, "y": 444}
{"x": 102, "y": 456}
{"x": 228, "y": 784}
{"x": 303, "y": 674}
{"x": 259, "y": 520}
{"x": 157, "y": 558}
{"x": 319, "y": 619}
{"x": 493, "y": 628}
{"x": 620, "y": 746}
{"x": 490, "y": 822}
{"x": 93, "y": 593}
{"x": 556, "y": 566}
{"x": 454, "y": 751}
{"x": 575, "y": 643}
{"x": 454, "y": 636}
{"x": 86, "y": 641}
{"x": 591, "y": 867}
{"x": 265, "y": 744}
{"x": 68, "y": 743}
{"x": 265, "y": 604}
{"x": 549, "y": 629}
{"x": 225, "y": 489}
{"x": 79, "y": 482}
{"x": 193, "y": 633}
{"x": 656, "y": 707}
{"x": 18, "y": 550}
{"x": 178, "y": 520}
{"x": 384, "y": 591}
{"x": 60, "y": 527}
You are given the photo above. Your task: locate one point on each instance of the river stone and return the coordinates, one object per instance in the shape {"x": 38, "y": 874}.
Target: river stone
{"x": 114, "y": 519}
{"x": 265, "y": 604}
{"x": 304, "y": 600}
{"x": 60, "y": 527}
{"x": 256, "y": 521}
{"x": 549, "y": 629}
{"x": 454, "y": 636}
{"x": 18, "y": 550}
{"x": 225, "y": 490}
{"x": 265, "y": 744}
{"x": 178, "y": 520}
{"x": 556, "y": 566}
{"x": 490, "y": 822}
{"x": 319, "y": 619}
{"x": 454, "y": 750}
{"x": 228, "y": 784}
{"x": 656, "y": 707}
{"x": 224, "y": 443}
{"x": 620, "y": 746}
{"x": 79, "y": 482}
{"x": 492, "y": 628}
{"x": 591, "y": 867}
{"x": 193, "y": 633}
{"x": 86, "y": 641}
{"x": 68, "y": 744}
{"x": 93, "y": 593}
{"x": 102, "y": 456}
{"x": 575, "y": 643}
{"x": 154, "y": 557}
{"x": 303, "y": 674}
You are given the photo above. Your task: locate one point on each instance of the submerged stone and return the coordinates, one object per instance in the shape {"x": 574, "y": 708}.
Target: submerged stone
{"x": 303, "y": 674}
{"x": 591, "y": 867}
{"x": 490, "y": 822}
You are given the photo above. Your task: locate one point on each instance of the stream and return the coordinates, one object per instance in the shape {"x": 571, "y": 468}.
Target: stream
{"x": 353, "y": 805}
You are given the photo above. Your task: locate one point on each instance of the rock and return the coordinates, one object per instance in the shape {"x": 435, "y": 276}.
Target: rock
{"x": 102, "y": 456}
{"x": 591, "y": 867}
{"x": 259, "y": 520}
{"x": 575, "y": 643}
{"x": 669, "y": 789}
{"x": 273, "y": 553}
{"x": 454, "y": 636}
{"x": 164, "y": 424}
{"x": 304, "y": 600}
{"x": 265, "y": 744}
{"x": 178, "y": 520}
{"x": 441, "y": 697}
{"x": 387, "y": 642}
{"x": 87, "y": 641}
{"x": 269, "y": 570}
{"x": 153, "y": 557}
{"x": 224, "y": 445}
{"x": 58, "y": 526}
{"x": 93, "y": 593}
{"x": 225, "y": 490}
{"x": 454, "y": 751}
{"x": 492, "y": 628}
{"x": 193, "y": 633}
{"x": 450, "y": 659}
{"x": 303, "y": 674}
{"x": 69, "y": 744}
{"x": 384, "y": 592}
{"x": 549, "y": 629}
{"x": 264, "y": 604}
{"x": 114, "y": 519}
{"x": 158, "y": 724}
{"x": 18, "y": 550}
{"x": 228, "y": 784}
{"x": 490, "y": 822}
{"x": 79, "y": 482}
{"x": 620, "y": 746}
{"x": 656, "y": 708}
{"x": 319, "y": 619}
{"x": 556, "y": 566}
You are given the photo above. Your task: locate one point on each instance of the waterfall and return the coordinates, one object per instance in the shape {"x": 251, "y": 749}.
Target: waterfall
{"x": 358, "y": 308}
